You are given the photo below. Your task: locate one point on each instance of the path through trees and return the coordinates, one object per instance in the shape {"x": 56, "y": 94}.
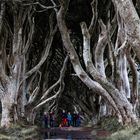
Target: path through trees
{"x": 77, "y": 55}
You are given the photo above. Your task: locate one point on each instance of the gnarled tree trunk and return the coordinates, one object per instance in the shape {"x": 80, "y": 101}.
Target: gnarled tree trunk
{"x": 119, "y": 101}
{"x": 9, "y": 114}
{"x": 131, "y": 21}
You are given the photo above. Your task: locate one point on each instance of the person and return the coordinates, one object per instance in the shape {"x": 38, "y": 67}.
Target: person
{"x": 74, "y": 118}
{"x": 64, "y": 118}
{"x": 45, "y": 118}
{"x": 51, "y": 116}
{"x": 78, "y": 120}
{"x": 69, "y": 119}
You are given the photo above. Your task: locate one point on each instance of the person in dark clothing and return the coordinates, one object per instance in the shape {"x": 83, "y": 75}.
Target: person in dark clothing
{"x": 51, "y": 115}
{"x": 78, "y": 120}
{"x": 45, "y": 118}
{"x": 74, "y": 118}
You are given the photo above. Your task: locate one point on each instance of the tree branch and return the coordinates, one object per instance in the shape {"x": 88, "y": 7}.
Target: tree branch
{"x": 134, "y": 93}
{"x": 43, "y": 6}
{"x": 61, "y": 88}
{"x": 30, "y": 34}
{"x": 99, "y": 51}
{"x": 92, "y": 26}
{"x": 2, "y": 14}
{"x": 45, "y": 56}
{"x": 54, "y": 5}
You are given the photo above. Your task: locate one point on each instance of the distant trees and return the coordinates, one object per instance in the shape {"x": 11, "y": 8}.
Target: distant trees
{"x": 104, "y": 58}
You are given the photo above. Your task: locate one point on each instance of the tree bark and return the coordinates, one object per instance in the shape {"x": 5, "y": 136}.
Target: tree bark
{"x": 7, "y": 113}
{"x": 8, "y": 105}
{"x": 120, "y": 99}
{"x": 134, "y": 92}
{"x": 131, "y": 21}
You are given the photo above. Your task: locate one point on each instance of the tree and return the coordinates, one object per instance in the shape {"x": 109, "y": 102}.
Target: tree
{"x": 100, "y": 47}
{"x": 116, "y": 97}
{"x": 14, "y": 58}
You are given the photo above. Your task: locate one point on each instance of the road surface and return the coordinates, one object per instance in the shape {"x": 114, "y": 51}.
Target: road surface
{"x": 73, "y": 133}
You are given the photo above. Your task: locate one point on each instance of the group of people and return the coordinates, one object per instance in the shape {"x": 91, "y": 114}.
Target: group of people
{"x": 67, "y": 119}
{"x": 48, "y": 119}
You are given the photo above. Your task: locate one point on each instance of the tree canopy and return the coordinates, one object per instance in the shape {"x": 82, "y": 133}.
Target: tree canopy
{"x": 80, "y": 55}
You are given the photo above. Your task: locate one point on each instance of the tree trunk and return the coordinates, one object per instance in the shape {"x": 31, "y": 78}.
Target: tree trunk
{"x": 103, "y": 108}
{"x": 120, "y": 99}
{"x": 131, "y": 20}
{"x": 7, "y": 112}
{"x": 99, "y": 61}
{"x": 135, "y": 81}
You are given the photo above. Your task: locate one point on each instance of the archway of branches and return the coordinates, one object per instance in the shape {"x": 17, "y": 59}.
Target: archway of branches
{"x": 77, "y": 55}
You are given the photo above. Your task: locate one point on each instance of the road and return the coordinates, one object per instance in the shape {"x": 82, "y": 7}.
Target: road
{"x": 73, "y": 133}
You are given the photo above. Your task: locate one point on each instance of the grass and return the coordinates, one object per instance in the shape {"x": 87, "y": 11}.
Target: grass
{"x": 110, "y": 124}
{"x": 18, "y": 132}
{"x": 131, "y": 133}
{"x": 118, "y": 132}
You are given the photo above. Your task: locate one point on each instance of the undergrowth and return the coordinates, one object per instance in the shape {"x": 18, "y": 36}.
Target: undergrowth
{"x": 18, "y": 132}
{"x": 119, "y": 132}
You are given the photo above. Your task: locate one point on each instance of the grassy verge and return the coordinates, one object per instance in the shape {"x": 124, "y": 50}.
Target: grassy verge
{"x": 110, "y": 124}
{"x": 130, "y": 133}
{"x": 18, "y": 132}
{"x": 118, "y": 132}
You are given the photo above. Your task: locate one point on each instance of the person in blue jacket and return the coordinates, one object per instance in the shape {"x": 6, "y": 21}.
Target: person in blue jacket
{"x": 69, "y": 119}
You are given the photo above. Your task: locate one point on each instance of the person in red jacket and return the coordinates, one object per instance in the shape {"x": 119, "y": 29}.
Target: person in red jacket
{"x": 64, "y": 118}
